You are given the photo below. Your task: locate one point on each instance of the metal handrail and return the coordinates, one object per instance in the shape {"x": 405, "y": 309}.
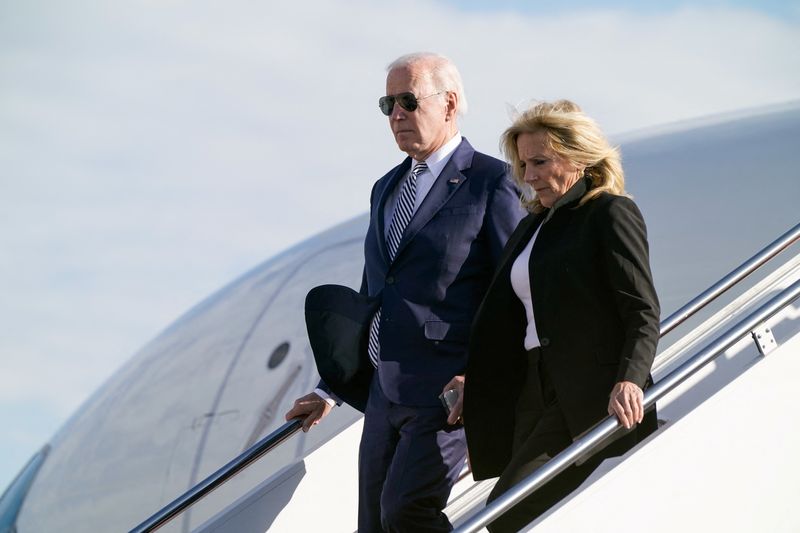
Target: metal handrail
{"x": 734, "y": 277}
{"x": 243, "y": 460}
{"x": 736, "y": 307}
{"x": 290, "y": 428}
{"x": 608, "y": 426}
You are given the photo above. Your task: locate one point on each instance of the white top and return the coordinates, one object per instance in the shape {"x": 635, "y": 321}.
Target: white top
{"x": 436, "y": 163}
{"x": 521, "y": 283}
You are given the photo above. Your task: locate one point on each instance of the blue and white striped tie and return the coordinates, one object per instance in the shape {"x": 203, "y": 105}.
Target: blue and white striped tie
{"x": 402, "y": 215}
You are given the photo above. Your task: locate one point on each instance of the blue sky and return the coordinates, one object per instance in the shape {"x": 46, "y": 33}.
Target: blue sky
{"x": 153, "y": 151}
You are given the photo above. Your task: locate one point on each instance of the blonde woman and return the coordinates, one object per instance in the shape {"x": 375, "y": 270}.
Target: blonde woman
{"x": 568, "y": 329}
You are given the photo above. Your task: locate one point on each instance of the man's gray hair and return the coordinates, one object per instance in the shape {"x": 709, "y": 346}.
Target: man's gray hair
{"x": 444, "y": 74}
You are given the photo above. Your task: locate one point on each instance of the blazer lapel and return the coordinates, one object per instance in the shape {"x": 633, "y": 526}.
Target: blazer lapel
{"x": 449, "y": 181}
{"x": 500, "y": 297}
{"x": 378, "y": 214}
{"x": 527, "y": 227}
{"x": 516, "y": 243}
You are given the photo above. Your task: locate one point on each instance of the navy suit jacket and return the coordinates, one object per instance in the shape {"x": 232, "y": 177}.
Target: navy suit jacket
{"x": 442, "y": 268}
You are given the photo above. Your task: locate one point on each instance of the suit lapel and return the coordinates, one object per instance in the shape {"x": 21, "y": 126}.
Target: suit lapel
{"x": 527, "y": 227}
{"x": 378, "y": 213}
{"x": 500, "y": 298}
{"x": 449, "y": 181}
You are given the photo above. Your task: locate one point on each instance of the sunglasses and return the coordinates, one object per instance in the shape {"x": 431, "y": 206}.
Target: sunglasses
{"x": 407, "y": 101}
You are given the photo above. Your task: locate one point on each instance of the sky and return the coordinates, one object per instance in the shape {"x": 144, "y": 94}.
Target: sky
{"x": 153, "y": 151}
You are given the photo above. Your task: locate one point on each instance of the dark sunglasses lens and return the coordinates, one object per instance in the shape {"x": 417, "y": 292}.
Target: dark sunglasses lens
{"x": 386, "y": 103}
{"x": 406, "y": 100}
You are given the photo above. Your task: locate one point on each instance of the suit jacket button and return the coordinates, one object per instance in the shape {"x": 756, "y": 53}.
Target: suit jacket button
{"x": 389, "y": 280}
{"x": 544, "y": 341}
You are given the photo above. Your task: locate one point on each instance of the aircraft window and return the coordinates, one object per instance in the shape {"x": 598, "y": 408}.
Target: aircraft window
{"x": 278, "y": 355}
{"x": 12, "y": 499}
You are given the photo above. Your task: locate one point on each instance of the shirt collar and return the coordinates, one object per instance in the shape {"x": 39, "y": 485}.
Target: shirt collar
{"x": 438, "y": 159}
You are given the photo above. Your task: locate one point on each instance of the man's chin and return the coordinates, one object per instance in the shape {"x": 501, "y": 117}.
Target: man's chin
{"x": 408, "y": 147}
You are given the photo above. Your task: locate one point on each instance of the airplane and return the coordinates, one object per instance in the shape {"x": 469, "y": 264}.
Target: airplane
{"x": 713, "y": 191}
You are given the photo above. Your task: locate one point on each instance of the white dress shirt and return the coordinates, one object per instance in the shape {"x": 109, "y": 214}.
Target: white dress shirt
{"x": 436, "y": 163}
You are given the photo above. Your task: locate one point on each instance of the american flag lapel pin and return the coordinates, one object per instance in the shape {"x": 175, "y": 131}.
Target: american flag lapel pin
{"x": 454, "y": 181}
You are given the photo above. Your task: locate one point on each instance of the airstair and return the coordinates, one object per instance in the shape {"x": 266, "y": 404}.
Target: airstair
{"x": 725, "y": 457}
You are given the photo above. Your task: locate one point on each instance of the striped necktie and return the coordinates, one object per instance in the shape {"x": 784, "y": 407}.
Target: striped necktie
{"x": 402, "y": 215}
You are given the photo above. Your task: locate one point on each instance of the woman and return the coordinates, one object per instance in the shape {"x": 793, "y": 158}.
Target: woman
{"x": 568, "y": 329}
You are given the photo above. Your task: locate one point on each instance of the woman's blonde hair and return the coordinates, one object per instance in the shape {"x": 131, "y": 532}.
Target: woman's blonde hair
{"x": 572, "y": 135}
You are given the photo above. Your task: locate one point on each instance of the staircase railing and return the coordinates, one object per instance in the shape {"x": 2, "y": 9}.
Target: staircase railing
{"x": 734, "y": 277}
{"x": 598, "y": 435}
{"x": 242, "y": 461}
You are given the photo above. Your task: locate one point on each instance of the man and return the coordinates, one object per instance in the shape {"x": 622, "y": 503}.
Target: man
{"x": 439, "y": 221}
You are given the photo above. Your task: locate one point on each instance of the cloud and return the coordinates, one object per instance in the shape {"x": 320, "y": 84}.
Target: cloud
{"x": 151, "y": 151}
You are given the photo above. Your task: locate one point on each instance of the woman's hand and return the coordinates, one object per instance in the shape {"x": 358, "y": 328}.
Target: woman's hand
{"x": 627, "y": 402}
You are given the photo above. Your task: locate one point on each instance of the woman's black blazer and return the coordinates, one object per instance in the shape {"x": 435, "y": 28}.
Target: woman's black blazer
{"x": 596, "y": 312}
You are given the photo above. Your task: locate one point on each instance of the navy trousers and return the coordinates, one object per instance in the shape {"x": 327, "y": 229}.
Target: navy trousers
{"x": 408, "y": 461}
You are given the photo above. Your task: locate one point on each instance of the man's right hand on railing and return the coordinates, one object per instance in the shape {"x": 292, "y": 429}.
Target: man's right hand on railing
{"x": 312, "y": 408}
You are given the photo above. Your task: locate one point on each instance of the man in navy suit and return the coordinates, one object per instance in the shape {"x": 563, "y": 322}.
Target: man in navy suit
{"x": 429, "y": 256}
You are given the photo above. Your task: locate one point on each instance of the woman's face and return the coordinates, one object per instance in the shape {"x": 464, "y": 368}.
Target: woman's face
{"x": 548, "y": 173}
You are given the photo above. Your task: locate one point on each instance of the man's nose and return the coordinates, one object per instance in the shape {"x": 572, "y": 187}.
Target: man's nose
{"x": 397, "y": 112}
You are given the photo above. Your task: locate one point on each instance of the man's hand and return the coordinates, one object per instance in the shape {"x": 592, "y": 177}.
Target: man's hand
{"x": 626, "y": 401}
{"x": 456, "y": 383}
{"x": 311, "y": 408}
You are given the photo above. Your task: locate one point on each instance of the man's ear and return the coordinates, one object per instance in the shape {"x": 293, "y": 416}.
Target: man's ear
{"x": 452, "y": 105}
